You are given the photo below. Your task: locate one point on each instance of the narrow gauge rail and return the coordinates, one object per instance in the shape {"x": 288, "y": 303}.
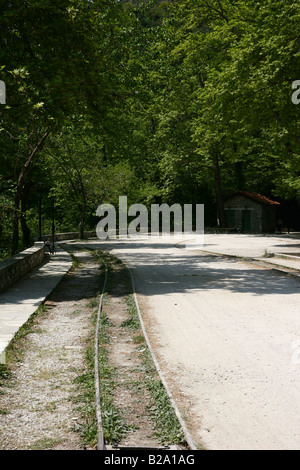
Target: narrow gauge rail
{"x": 100, "y": 437}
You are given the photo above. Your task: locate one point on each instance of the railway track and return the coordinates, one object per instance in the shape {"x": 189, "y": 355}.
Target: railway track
{"x": 111, "y": 274}
{"x": 95, "y": 345}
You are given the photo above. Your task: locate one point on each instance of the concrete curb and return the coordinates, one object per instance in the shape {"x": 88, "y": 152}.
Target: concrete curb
{"x": 292, "y": 271}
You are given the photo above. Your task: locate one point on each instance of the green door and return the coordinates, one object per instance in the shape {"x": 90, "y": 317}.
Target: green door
{"x": 230, "y": 218}
{"x": 246, "y": 221}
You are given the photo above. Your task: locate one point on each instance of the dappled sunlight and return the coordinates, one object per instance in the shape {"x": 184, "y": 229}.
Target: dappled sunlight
{"x": 170, "y": 269}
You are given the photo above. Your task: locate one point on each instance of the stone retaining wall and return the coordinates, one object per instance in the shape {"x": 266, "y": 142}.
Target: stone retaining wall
{"x": 59, "y": 237}
{"x": 12, "y": 269}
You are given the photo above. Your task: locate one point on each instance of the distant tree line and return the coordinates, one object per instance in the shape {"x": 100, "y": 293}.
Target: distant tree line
{"x": 179, "y": 101}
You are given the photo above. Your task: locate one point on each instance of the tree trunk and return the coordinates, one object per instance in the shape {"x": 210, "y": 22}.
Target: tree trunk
{"x": 15, "y": 225}
{"x": 81, "y": 224}
{"x": 81, "y": 229}
{"x": 25, "y": 229}
{"x": 218, "y": 192}
{"x": 20, "y": 188}
{"x": 82, "y": 208}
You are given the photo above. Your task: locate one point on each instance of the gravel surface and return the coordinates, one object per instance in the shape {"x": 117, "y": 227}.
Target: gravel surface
{"x": 225, "y": 333}
{"x": 125, "y": 356}
{"x": 38, "y": 410}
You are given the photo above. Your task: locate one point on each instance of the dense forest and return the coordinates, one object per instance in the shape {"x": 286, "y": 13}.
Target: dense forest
{"x": 175, "y": 101}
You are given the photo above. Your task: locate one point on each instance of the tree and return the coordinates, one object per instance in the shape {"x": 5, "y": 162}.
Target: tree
{"x": 46, "y": 86}
{"x": 219, "y": 65}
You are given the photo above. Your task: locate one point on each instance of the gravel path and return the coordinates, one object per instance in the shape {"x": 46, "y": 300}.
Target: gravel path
{"x": 225, "y": 333}
{"x": 38, "y": 409}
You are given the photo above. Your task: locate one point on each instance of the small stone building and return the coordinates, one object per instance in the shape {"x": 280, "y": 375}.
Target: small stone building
{"x": 251, "y": 212}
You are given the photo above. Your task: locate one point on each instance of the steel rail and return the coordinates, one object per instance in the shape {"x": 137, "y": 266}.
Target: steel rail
{"x": 101, "y": 441}
{"x": 187, "y": 435}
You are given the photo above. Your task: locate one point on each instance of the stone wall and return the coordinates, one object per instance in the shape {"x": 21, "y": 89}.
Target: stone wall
{"x": 59, "y": 237}
{"x": 261, "y": 218}
{"x": 239, "y": 204}
{"x": 14, "y": 268}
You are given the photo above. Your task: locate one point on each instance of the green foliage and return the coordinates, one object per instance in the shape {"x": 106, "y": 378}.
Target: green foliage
{"x": 47, "y": 87}
{"x": 168, "y": 429}
{"x": 161, "y": 101}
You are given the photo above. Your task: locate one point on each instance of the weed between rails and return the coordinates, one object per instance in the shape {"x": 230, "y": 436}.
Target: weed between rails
{"x": 114, "y": 425}
{"x": 167, "y": 426}
{"x": 165, "y": 422}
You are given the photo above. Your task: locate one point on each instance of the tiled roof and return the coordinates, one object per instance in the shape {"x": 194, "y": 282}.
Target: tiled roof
{"x": 257, "y": 198}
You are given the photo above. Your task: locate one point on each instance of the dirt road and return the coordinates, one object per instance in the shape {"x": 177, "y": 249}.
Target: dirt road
{"x": 226, "y": 335}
